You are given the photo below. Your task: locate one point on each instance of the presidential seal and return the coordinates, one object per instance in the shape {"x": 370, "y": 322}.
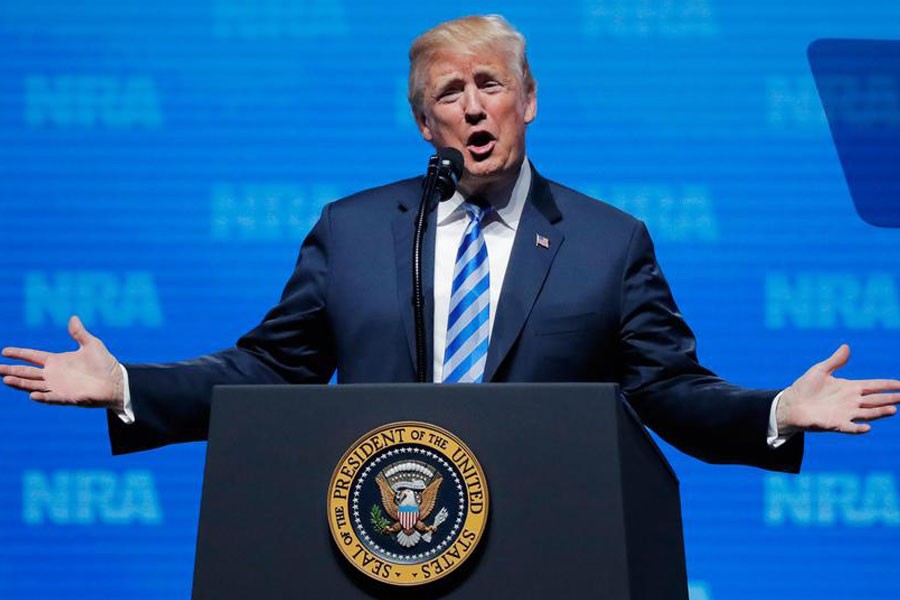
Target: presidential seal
{"x": 408, "y": 503}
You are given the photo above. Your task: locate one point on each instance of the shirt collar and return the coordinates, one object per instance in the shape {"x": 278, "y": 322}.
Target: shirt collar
{"x": 508, "y": 214}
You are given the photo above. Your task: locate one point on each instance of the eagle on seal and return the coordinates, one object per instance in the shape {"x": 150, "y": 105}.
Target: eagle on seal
{"x": 409, "y": 510}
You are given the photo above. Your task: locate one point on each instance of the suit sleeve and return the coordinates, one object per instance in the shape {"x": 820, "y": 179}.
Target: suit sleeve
{"x": 686, "y": 404}
{"x": 293, "y": 344}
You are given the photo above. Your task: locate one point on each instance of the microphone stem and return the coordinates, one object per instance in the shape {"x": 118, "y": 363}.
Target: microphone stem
{"x": 418, "y": 292}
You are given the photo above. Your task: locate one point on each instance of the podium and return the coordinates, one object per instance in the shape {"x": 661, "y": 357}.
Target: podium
{"x": 582, "y": 502}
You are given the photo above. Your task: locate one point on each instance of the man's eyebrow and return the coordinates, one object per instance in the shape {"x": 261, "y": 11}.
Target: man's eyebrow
{"x": 443, "y": 81}
{"x": 486, "y": 70}
{"x": 447, "y": 79}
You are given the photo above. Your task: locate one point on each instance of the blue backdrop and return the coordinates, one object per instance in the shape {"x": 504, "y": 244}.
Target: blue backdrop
{"x": 157, "y": 157}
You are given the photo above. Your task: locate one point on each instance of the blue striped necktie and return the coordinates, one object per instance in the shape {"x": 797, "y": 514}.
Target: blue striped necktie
{"x": 468, "y": 324}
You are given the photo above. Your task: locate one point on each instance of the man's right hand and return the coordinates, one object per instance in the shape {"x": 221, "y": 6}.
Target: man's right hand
{"x": 89, "y": 377}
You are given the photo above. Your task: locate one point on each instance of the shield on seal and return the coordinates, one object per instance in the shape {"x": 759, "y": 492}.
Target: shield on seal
{"x": 409, "y": 516}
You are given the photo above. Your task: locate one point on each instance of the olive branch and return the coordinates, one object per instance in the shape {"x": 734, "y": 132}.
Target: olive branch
{"x": 379, "y": 521}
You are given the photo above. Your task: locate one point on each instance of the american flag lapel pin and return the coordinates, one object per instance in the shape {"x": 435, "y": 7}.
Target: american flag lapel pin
{"x": 541, "y": 241}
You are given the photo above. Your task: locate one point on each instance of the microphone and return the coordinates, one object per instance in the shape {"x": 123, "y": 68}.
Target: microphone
{"x": 445, "y": 167}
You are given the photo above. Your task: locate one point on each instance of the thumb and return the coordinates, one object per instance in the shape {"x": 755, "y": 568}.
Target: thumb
{"x": 78, "y": 331}
{"x": 837, "y": 360}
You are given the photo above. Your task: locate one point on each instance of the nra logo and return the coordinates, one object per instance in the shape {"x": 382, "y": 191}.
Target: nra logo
{"x": 267, "y": 211}
{"x": 649, "y": 18}
{"x": 79, "y": 101}
{"x": 273, "y": 19}
{"x": 871, "y": 100}
{"x": 672, "y": 213}
{"x": 866, "y": 100}
{"x": 98, "y": 297}
{"x": 89, "y": 497}
{"x": 817, "y": 300}
{"x": 829, "y": 499}
{"x": 793, "y": 103}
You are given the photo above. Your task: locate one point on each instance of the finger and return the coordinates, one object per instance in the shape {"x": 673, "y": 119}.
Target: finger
{"x": 46, "y": 397}
{"x": 837, "y": 360}
{"x": 851, "y": 428}
{"x": 22, "y": 371}
{"x": 26, "y": 385}
{"x": 43, "y": 396}
{"x": 873, "y": 386}
{"x": 873, "y": 400}
{"x": 873, "y": 414}
{"x": 38, "y": 357}
{"x": 78, "y": 331}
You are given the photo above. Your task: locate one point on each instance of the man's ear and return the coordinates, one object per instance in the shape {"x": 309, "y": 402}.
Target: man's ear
{"x": 422, "y": 124}
{"x": 531, "y": 104}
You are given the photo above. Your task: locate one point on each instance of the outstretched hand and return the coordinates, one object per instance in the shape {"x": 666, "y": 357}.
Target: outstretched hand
{"x": 819, "y": 401}
{"x": 89, "y": 376}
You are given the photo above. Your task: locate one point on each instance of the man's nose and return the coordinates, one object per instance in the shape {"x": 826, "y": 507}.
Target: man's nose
{"x": 473, "y": 107}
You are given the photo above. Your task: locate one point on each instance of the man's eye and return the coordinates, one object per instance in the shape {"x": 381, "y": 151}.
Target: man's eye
{"x": 448, "y": 95}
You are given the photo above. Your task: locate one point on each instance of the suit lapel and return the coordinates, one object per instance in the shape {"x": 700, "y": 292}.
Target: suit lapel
{"x": 403, "y": 227}
{"x": 528, "y": 266}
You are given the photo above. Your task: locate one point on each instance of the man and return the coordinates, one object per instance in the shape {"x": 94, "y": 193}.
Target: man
{"x": 527, "y": 281}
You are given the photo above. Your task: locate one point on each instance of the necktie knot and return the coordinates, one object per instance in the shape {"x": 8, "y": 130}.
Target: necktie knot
{"x": 477, "y": 210}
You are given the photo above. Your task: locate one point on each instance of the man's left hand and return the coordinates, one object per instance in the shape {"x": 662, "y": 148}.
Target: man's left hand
{"x": 819, "y": 401}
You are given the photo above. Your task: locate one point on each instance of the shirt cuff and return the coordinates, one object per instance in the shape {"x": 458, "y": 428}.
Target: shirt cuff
{"x": 126, "y": 413}
{"x": 776, "y": 438}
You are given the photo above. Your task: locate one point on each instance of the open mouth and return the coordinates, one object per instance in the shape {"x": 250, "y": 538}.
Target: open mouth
{"x": 480, "y": 143}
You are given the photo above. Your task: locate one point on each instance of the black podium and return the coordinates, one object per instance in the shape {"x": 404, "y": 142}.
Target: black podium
{"x": 582, "y": 503}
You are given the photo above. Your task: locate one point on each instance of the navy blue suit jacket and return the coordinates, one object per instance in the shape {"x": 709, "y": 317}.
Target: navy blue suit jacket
{"x": 593, "y": 306}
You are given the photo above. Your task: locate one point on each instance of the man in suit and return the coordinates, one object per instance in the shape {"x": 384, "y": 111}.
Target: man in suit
{"x": 527, "y": 281}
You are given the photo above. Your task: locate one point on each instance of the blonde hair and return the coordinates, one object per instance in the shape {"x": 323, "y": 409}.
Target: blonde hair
{"x": 466, "y": 34}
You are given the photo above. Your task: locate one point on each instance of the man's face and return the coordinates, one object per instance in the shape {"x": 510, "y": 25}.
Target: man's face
{"x": 475, "y": 103}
